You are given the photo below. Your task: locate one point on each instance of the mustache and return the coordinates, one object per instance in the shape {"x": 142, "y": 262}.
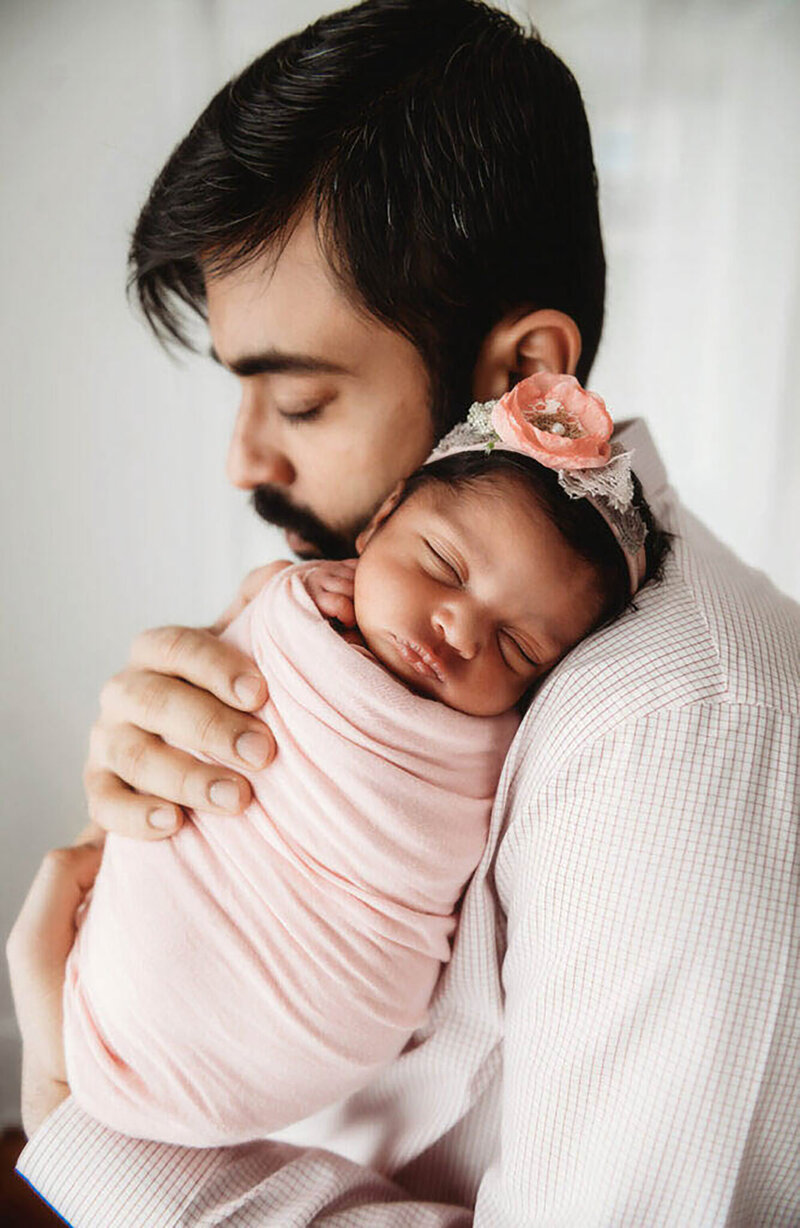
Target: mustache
{"x": 273, "y": 506}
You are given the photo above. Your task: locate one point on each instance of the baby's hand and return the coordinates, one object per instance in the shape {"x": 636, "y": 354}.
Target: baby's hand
{"x": 330, "y": 586}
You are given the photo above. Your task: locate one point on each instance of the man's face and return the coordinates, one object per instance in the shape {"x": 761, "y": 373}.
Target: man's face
{"x": 335, "y": 406}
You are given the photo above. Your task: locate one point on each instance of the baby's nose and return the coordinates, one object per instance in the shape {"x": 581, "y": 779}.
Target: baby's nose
{"x": 459, "y": 627}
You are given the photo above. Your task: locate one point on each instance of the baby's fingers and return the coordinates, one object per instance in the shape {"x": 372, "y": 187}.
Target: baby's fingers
{"x": 336, "y": 605}
{"x": 338, "y": 578}
{"x": 346, "y": 611}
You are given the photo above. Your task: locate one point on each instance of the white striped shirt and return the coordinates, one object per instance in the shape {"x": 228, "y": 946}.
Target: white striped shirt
{"x": 616, "y": 1039}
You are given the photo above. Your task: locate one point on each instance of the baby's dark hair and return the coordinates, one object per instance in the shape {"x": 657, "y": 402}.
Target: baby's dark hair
{"x": 580, "y": 525}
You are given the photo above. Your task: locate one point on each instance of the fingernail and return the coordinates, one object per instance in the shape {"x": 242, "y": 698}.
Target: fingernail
{"x": 254, "y": 748}
{"x": 247, "y": 688}
{"x": 161, "y": 819}
{"x": 225, "y": 793}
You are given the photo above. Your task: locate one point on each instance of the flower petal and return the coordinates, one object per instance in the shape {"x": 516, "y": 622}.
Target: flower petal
{"x": 587, "y": 424}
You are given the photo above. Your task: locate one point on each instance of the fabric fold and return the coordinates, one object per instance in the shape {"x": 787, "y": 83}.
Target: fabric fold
{"x": 247, "y": 972}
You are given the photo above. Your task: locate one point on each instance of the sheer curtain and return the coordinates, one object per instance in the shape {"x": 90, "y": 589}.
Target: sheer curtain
{"x": 695, "y": 111}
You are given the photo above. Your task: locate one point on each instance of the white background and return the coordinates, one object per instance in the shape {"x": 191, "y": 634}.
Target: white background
{"x": 115, "y": 509}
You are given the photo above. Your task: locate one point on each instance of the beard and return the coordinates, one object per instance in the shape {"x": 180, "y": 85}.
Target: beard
{"x": 273, "y": 506}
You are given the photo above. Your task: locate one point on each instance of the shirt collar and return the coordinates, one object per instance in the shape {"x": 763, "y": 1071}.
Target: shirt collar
{"x": 647, "y": 464}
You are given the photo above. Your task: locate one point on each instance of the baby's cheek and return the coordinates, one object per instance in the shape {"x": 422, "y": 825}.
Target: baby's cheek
{"x": 378, "y": 584}
{"x": 486, "y": 692}
{"x": 511, "y": 686}
{"x": 372, "y": 591}
{"x": 361, "y": 593}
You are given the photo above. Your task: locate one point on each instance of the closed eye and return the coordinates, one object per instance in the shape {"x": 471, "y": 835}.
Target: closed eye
{"x": 303, "y": 415}
{"x": 519, "y": 656}
{"x": 447, "y": 568}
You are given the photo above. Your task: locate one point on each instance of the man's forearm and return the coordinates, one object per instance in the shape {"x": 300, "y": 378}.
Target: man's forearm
{"x": 37, "y": 950}
{"x": 41, "y": 1092}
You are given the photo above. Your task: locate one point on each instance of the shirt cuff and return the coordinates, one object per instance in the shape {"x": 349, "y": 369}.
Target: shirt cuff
{"x": 96, "y": 1178}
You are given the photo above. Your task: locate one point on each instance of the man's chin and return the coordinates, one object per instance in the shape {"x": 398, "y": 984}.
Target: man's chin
{"x": 300, "y": 546}
{"x": 306, "y": 535}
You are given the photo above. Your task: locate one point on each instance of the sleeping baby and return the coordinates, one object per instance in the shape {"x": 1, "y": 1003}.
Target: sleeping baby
{"x": 243, "y": 975}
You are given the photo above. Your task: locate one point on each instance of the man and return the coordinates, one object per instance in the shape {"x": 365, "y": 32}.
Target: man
{"x": 384, "y": 218}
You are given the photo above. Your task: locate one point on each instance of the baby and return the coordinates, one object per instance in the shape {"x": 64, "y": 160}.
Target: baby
{"x": 285, "y": 958}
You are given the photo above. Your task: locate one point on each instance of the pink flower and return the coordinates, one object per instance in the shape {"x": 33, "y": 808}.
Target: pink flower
{"x": 555, "y": 421}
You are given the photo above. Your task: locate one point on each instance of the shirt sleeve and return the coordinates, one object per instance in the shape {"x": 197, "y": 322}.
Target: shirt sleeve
{"x": 96, "y": 1178}
{"x": 651, "y": 1006}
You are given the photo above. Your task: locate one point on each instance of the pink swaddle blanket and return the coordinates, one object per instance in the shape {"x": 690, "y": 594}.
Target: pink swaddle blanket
{"x": 249, "y": 971}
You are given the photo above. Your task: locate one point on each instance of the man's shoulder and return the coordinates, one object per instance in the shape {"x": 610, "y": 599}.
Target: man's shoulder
{"x": 754, "y": 628}
{"x": 711, "y": 631}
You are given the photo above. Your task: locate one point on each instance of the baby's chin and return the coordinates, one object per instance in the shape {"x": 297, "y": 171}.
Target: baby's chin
{"x": 473, "y": 705}
{"x": 300, "y": 546}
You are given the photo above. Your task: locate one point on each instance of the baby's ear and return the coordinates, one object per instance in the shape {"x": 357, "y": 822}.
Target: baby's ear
{"x": 383, "y": 513}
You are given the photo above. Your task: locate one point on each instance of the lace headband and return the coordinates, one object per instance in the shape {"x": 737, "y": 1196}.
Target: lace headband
{"x": 552, "y": 419}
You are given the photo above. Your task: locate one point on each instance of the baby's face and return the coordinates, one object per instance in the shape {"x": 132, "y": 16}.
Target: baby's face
{"x": 470, "y": 597}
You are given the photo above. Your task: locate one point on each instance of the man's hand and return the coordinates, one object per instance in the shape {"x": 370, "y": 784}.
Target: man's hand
{"x": 330, "y": 586}
{"x": 37, "y": 951}
{"x": 182, "y": 686}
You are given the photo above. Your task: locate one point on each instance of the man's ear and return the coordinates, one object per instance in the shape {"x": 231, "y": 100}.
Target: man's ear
{"x": 384, "y": 511}
{"x": 522, "y": 345}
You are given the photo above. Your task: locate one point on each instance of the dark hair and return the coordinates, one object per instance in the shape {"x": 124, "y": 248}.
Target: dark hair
{"x": 446, "y": 154}
{"x": 580, "y": 525}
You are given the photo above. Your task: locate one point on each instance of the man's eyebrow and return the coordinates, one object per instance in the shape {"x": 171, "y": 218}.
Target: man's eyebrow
{"x": 279, "y": 362}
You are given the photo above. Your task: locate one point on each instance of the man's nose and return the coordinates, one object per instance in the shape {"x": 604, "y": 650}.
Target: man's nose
{"x": 253, "y": 458}
{"x": 459, "y": 624}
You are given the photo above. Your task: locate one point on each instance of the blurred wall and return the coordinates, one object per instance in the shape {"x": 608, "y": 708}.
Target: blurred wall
{"x": 695, "y": 111}
{"x": 115, "y": 507}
